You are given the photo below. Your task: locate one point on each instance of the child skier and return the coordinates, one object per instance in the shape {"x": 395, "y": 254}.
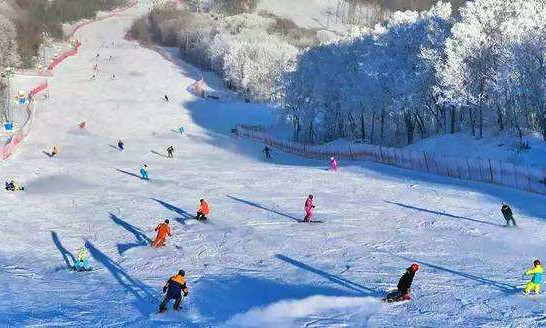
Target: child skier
{"x": 120, "y": 145}
{"x": 534, "y": 284}
{"x": 82, "y": 264}
{"x": 404, "y": 285}
{"x": 170, "y": 151}
{"x": 333, "y": 164}
{"x": 308, "y": 207}
{"x": 508, "y": 215}
{"x": 203, "y": 210}
{"x": 144, "y": 172}
{"x": 163, "y": 230}
{"x": 175, "y": 286}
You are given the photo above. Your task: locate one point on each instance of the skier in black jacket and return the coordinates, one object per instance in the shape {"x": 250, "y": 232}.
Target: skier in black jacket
{"x": 508, "y": 215}
{"x": 404, "y": 285}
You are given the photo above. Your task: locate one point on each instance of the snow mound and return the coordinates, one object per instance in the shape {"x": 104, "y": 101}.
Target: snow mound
{"x": 286, "y": 313}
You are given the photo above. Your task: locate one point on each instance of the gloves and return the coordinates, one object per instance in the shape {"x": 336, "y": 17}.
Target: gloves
{"x": 185, "y": 294}
{"x": 165, "y": 289}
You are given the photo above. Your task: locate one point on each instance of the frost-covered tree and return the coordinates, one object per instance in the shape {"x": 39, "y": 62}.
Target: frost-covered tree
{"x": 382, "y": 82}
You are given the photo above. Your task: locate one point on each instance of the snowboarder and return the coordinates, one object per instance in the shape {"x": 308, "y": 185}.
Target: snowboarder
{"x": 54, "y": 152}
{"x": 267, "y": 152}
{"x": 163, "y": 230}
{"x": 175, "y": 286}
{"x": 144, "y": 172}
{"x": 309, "y": 206}
{"x": 13, "y": 186}
{"x": 534, "y": 284}
{"x": 203, "y": 210}
{"x": 404, "y": 285}
{"x": 508, "y": 215}
{"x": 82, "y": 264}
{"x": 166, "y": 98}
{"x": 170, "y": 151}
{"x": 82, "y": 125}
{"x": 333, "y": 164}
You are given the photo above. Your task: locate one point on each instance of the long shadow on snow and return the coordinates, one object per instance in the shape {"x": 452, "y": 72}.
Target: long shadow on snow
{"x": 507, "y": 288}
{"x": 219, "y": 117}
{"x": 142, "y": 239}
{"x": 226, "y": 116}
{"x": 443, "y": 214}
{"x": 263, "y": 207}
{"x": 521, "y": 201}
{"x": 64, "y": 252}
{"x": 141, "y": 291}
{"x": 131, "y": 174}
{"x": 355, "y": 287}
{"x": 184, "y": 215}
{"x": 222, "y": 297}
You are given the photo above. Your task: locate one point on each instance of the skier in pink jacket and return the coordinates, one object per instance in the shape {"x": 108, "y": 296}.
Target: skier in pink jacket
{"x": 333, "y": 164}
{"x": 309, "y": 206}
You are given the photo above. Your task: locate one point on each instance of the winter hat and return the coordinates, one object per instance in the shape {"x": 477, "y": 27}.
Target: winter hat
{"x": 182, "y": 273}
{"x": 414, "y": 267}
{"x": 537, "y": 262}
{"x": 331, "y": 158}
{"x": 167, "y": 221}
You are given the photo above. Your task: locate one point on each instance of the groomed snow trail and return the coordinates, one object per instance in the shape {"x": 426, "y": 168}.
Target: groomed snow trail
{"x": 253, "y": 265}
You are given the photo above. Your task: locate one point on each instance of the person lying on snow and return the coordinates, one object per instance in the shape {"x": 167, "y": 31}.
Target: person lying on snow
{"x": 13, "y": 186}
{"x": 534, "y": 285}
{"x": 82, "y": 264}
{"x": 175, "y": 286}
{"x": 203, "y": 210}
{"x": 163, "y": 230}
{"x": 404, "y": 285}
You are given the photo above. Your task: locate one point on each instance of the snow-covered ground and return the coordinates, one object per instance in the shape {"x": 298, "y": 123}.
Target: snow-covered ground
{"x": 318, "y": 14}
{"x": 503, "y": 147}
{"x": 253, "y": 265}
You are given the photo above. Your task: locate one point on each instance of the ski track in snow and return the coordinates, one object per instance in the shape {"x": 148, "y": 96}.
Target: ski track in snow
{"x": 253, "y": 263}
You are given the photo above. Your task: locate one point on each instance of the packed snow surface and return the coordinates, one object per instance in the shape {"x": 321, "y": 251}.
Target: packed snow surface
{"x": 254, "y": 264}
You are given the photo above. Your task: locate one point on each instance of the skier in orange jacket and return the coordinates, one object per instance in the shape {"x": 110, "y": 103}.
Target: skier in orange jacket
{"x": 163, "y": 230}
{"x": 203, "y": 210}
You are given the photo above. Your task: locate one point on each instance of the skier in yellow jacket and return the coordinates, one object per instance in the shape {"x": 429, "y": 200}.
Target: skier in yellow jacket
{"x": 534, "y": 284}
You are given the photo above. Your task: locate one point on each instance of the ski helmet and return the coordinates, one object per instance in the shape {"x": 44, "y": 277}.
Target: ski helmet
{"x": 537, "y": 262}
{"x": 311, "y": 196}
{"x": 332, "y": 158}
{"x": 182, "y": 273}
{"x": 167, "y": 221}
{"x": 414, "y": 267}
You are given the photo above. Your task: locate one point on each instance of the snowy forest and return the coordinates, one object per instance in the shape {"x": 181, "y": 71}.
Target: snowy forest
{"x": 416, "y": 75}
{"x": 426, "y": 74}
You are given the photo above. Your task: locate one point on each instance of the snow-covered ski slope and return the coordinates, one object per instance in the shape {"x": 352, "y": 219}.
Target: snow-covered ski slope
{"x": 253, "y": 265}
